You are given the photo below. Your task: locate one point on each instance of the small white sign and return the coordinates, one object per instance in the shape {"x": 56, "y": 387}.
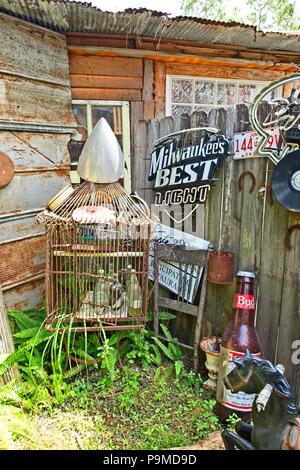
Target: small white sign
{"x": 169, "y": 272}
{"x": 245, "y": 143}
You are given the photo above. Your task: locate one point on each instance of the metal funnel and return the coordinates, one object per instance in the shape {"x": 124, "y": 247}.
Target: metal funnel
{"x": 101, "y": 159}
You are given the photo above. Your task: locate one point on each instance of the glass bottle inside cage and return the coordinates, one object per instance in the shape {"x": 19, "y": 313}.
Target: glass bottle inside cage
{"x": 101, "y": 291}
{"x": 116, "y": 293}
{"x": 134, "y": 293}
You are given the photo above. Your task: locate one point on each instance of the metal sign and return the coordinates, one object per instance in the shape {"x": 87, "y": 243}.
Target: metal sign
{"x": 282, "y": 116}
{"x": 246, "y": 143}
{"x": 169, "y": 272}
{"x": 184, "y": 175}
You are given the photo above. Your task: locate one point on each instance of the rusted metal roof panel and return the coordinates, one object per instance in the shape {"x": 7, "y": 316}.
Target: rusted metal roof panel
{"x": 69, "y": 16}
{"x": 22, "y": 260}
{"x": 26, "y": 295}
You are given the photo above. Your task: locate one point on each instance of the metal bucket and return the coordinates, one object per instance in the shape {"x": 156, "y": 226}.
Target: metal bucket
{"x": 220, "y": 267}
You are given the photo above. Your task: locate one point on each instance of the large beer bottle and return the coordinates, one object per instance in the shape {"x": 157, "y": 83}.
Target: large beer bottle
{"x": 239, "y": 335}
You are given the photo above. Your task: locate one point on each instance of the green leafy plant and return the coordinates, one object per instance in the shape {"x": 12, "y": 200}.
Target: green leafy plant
{"x": 208, "y": 420}
{"x": 13, "y": 425}
{"x": 171, "y": 350}
{"x": 232, "y": 420}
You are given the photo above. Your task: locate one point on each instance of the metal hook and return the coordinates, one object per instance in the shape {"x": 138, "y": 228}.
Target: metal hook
{"x": 287, "y": 238}
{"x": 241, "y": 178}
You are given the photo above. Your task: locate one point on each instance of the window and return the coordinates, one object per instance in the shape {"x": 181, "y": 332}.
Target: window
{"x": 188, "y": 94}
{"x": 87, "y": 114}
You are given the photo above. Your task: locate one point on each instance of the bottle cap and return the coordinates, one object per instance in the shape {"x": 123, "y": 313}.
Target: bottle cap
{"x": 245, "y": 274}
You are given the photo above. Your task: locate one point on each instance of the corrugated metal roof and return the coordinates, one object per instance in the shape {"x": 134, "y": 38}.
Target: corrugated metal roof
{"x": 69, "y": 16}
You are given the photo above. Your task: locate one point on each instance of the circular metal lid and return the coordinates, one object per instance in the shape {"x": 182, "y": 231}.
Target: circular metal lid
{"x": 245, "y": 274}
{"x": 7, "y": 169}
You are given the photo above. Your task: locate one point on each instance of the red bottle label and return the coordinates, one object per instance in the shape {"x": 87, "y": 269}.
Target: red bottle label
{"x": 244, "y": 302}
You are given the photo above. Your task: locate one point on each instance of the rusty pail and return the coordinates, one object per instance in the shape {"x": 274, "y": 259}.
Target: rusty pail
{"x": 220, "y": 267}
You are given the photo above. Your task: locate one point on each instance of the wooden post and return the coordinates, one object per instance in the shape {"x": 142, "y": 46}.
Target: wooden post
{"x": 200, "y": 320}
{"x": 156, "y": 287}
{"x": 6, "y": 343}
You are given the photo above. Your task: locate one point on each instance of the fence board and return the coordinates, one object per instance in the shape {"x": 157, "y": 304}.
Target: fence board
{"x": 245, "y": 224}
{"x": 289, "y": 326}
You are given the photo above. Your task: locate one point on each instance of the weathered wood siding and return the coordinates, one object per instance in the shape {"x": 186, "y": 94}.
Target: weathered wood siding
{"x": 35, "y": 125}
{"x": 106, "y": 78}
{"x": 246, "y": 224}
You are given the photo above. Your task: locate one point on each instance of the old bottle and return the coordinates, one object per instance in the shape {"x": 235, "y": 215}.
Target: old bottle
{"x": 239, "y": 335}
{"x": 101, "y": 290}
{"x": 116, "y": 293}
{"x": 134, "y": 293}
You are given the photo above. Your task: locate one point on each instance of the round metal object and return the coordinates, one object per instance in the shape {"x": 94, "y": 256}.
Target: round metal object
{"x": 286, "y": 181}
{"x": 7, "y": 170}
{"x": 59, "y": 198}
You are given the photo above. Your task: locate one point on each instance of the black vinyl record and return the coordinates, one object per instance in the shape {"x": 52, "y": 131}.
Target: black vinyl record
{"x": 286, "y": 181}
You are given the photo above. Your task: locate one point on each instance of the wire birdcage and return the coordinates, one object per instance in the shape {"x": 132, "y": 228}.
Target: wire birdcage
{"x": 97, "y": 259}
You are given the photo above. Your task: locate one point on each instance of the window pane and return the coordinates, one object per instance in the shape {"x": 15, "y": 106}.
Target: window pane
{"x": 178, "y": 111}
{"x": 75, "y": 146}
{"x": 247, "y": 93}
{"x": 182, "y": 91}
{"x": 204, "y": 92}
{"x": 80, "y": 115}
{"x": 113, "y": 115}
{"x": 226, "y": 94}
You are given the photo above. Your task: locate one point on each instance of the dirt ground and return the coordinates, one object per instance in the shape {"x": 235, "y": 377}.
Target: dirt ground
{"x": 78, "y": 431}
{"x": 212, "y": 442}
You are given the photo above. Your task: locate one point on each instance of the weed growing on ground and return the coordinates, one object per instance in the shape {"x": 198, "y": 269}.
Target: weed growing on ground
{"x": 123, "y": 390}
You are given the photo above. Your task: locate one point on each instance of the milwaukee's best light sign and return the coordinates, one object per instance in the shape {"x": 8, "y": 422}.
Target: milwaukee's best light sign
{"x": 184, "y": 175}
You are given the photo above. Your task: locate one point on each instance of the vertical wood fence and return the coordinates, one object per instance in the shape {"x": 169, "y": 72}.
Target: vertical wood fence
{"x": 249, "y": 225}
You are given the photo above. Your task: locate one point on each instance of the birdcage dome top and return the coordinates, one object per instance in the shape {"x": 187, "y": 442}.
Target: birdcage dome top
{"x": 97, "y": 203}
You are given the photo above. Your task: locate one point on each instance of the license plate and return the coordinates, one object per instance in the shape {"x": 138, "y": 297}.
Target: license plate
{"x": 245, "y": 143}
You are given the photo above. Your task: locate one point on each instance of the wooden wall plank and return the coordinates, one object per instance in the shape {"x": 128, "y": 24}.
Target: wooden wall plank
{"x": 159, "y": 89}
{"x": 181, "y": 46}
{"x": 112, "y": 94}
{"x": 148, "y": 89}
{"x": 221, "y": 72}
{"x": 109, "y": 66}
{"x": 99, "y": 81}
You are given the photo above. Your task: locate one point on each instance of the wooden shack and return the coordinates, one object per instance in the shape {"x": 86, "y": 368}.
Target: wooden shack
{"x": 148, "y": 74}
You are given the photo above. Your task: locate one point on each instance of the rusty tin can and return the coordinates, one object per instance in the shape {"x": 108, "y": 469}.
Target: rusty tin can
{"x": 220, "y": 267}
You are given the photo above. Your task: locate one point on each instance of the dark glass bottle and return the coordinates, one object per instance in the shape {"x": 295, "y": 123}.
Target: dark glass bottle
{"x": 239, "y": 335}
